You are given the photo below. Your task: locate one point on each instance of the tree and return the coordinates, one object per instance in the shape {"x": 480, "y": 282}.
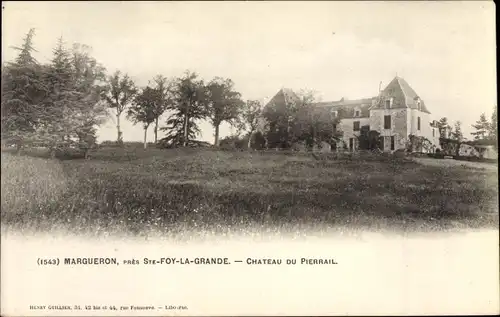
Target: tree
{"x": 419, "y": 144}
{"x": 24, "y": 90}
{"x": 190, "y": 100}
{"x": 457, "y": 136}
{"x": 456, "y": 133}
{"x": 59, "y": 104}
{"x": 279, "y": 116}
{"x": 144, "y": 108}
{"x": 121, "y": 92}
{"x": 313, "y": 124}
{"x": 443, "y": 126}
{"x": 493, "y": 129}
{"x": 482, "y": 128}
{"x": 164, "y": 87}
{"x": 90, "y": 82}
{"x": 25, "y": 56}
{"x": 250, "y": 115}
{"x": 223, "y": 104}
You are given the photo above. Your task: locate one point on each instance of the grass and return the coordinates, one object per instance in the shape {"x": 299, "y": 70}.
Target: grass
{"x": 133, "y": 191}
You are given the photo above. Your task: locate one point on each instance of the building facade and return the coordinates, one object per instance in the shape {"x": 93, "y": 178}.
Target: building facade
{"x": 396, "y": 113}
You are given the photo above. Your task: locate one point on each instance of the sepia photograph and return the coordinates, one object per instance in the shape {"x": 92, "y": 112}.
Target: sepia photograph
{"x": 237, "y": 158}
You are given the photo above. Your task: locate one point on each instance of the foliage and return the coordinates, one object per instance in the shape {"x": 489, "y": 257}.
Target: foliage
{"x": 164, "y": 86}
{"x": 456, "y": 133}
{"x": 443, "y": 126}
{"x": 369, "y": 139}
{"x": 224, "y": 104}
{"x": 419, "y": 144}
{"x": 493, "y": 133}
{"x": 250, "y": 117}
{"x": 482, "y": 128}
{"x": 301, "y": 120}
{"x": 145, "y": 107}
{"x": 189, "y": 106}
{"x": 121, "y": 92}
{"x": 56, "y": 105}
{"x": 280, "y": 117}
{"x": 24, "y": 91}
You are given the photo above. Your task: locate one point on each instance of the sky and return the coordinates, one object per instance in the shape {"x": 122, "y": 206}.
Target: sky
{"x": 445, "y": 50}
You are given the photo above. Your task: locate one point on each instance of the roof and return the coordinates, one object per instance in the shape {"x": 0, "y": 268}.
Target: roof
{"x": 283, "y": 97}
{"x": 346, "y": 108}
{"x": 403, "y": 95}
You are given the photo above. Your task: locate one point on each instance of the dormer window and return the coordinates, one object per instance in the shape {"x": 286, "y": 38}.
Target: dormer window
{"x": 356, "y": 113}
{"x": 418, "y": 102}
{"x": 388, "y": 103}
{"x": 334, "y": 113}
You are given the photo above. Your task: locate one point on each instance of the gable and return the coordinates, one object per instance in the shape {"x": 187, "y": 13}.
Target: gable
{"x": 402, "y": 95}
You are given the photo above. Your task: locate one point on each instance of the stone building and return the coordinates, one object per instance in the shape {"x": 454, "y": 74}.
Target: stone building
{"x": 396, "y": 113}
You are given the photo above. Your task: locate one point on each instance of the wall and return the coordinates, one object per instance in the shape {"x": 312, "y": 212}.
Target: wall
{"x": 399, "y": 125}
{"x": 425, "y": 126}
{"x": 347, "y": 127}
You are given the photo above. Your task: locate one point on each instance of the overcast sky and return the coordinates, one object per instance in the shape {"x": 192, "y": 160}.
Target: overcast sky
{"x": 444, "y": 50}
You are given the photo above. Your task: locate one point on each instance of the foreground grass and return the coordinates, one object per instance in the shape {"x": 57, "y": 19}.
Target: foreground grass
{"x": 176, "y": 191}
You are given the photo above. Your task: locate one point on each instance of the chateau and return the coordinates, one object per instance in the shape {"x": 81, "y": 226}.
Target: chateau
{"x": 396, "y": 113}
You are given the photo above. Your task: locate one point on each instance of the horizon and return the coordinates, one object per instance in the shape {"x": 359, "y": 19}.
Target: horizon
{"x": 444, "y": 50}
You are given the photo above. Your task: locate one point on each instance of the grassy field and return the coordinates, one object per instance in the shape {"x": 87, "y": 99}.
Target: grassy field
{"x": 133, "y": 191}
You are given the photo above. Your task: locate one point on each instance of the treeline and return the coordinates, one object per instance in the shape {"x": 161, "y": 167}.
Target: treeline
{"x": 485, "y": 133}
{"x": 55, "y": 104}
{"x": 61, "y": 104}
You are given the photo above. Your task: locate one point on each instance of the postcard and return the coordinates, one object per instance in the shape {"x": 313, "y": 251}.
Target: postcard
{"x": 236, "y": 158}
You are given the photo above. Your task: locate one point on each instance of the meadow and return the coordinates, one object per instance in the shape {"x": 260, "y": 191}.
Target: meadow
{"x": 184, "y": 191}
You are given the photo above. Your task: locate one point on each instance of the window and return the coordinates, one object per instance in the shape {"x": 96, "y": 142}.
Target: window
{"x": 334, "y": 113}
{"x": 351, "y": 143}
{"x": 356, "y": 126}
{"x": 388, "y": 104}
{"x": 433, "y": 132}
{"x": 418, "y": 123}
{"x": 356, "y": 113}
{"x": 392, "y": 143}
{"x": 387, "y": 122}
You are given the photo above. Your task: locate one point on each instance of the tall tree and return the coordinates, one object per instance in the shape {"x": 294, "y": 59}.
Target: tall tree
{"x": 223, "y": 104}
{"x": 23, "y": 92}
{"x": 280, "y": 118}
{"x": 457, "y": 134}
{"x": 165, "y": 89}
{"x": 482, "y": 128}
{"x": 190, "y": 99}
{"x": 25, "y": 56}
{"x": 493, "y": 130}
{"x": 313, "y": 124}
{"x": 90, "y": 82}
{"x": 144, "y": 109}
{"x": 444, "y": 127}
{"x": 250, "y": 116}
{"x": 61, "y": 104}
{"x": 121, "y": 92}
